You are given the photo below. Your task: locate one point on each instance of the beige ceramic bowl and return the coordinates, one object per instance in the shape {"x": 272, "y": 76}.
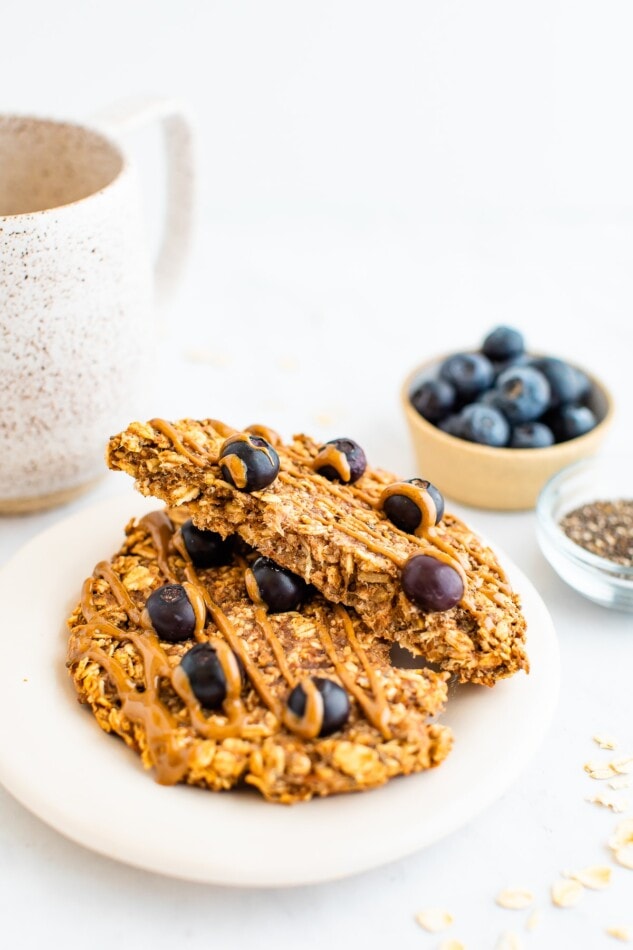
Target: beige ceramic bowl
{"x": 505, "y": 479}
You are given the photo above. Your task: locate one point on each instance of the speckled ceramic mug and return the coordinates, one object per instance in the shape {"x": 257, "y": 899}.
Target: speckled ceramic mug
{"x": 77, "y": 294}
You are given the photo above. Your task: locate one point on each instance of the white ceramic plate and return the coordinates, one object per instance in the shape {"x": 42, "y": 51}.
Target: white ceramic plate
{"x": 90, "y": 787}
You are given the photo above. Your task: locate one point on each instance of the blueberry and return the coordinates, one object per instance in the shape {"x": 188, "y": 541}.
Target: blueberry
{"x": 452, "y": 425}
{"x": 205, "y": 674}
{"x": 205, "y": 548}
{"x": 280, "y": 590}
{"x": 502, "y": 365}
{"x": 405, "y": 513}
{"x": 436, "y": 495}
{"x": 431, "y": 584}
{"x": 531, "y": 435}
{"x": 489, "y": 398}
{"x": 484, "y": 424}
{"x": 468, "y": 373}
{"x": 171, "y": 613}
{"x": 341, "y": 460}
{"x": 433, "y": 399}
{"x": 567, "y": 383}
{"x": 503, "y": 343}
{"x": 248, "y": 462}
{"x": 569, "y": 422}
{"x": 336, "y": 706}
{"x": 523, "y": 394}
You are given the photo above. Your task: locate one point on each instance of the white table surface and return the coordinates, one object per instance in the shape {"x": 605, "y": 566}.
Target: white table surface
{"x": 376, "y": 188}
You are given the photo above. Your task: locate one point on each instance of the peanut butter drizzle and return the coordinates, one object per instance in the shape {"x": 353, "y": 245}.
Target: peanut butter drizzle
{"x": 225, "y": 627}
{"x": 501, "y": 579}
{"x": 168, "y": 430}
{"x": 237, "y": 470}
{"x": 88, "y": 608}
{"x": 196, "y": 599}
{"x": 246, "y": 437}
{"x": 178, "y": 545}
{"x": 171, "y": 759}
{"x": 252, "y": 589}
{"x": 307, "y": 726}
{"x": 376, "y": 709}
{"x": 104, "y": 570}
{"x": 363, "y": 496}
{"x": 232, "y": 706}
{"x": 428, "y": 534}
{"x": 330, "y": 455}
{"x": 221, "y": 428}
{"x": 381, "y": 705}
{"x": 171, "y": 762}
{"x": 306, "y": 460}
{"x": 264, "y": 432}
{"x": 161, "y": 532}
{"x": 167, "y": 750}
{"x": 170, "y": 753}
{"x": 261, "y": 617}
{"x": 374, "y": 546}
{"x": 436, "y": 544}
{"x": 420, "y": 498}
{"x": 431, "y": 537}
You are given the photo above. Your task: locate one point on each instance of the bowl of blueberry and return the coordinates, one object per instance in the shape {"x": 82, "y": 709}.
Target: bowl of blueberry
{"x": 491, "y": 426}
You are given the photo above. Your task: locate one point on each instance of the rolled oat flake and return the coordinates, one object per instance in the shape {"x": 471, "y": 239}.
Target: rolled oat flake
{"x": 604, "y": 528}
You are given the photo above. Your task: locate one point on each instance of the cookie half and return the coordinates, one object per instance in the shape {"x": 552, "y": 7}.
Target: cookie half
{"x": 338, "y": 537}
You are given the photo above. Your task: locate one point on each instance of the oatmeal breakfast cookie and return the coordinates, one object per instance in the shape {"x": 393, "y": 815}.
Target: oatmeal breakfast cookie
{"x": 321, "y": 512}
{"x": 221, "y": 669}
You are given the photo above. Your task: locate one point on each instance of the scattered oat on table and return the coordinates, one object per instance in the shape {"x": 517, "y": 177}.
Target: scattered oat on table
{"x": 612, "y": 802}
{"x": 595, "y": 878}
{"x": 533, "y": 920}
{"x": 621, "y": 843}
{"x": 622, "y": 835}
{"x": 599, "y": 770}
{"x": 620, "y": 782}
{"x": 566, "y": 892}
{"x": 605, "y": 742}
{"x": 515, "y": 898}
{"x": 452, "y": 945}
{"x": 620, "y": 933}
{"x": 434, "y": 919}
{"x": 623, "y": 765}
{"x": 624, "y": 856}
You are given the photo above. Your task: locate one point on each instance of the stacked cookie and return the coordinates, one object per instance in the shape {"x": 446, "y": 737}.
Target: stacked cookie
{"x": 244, "y": 633}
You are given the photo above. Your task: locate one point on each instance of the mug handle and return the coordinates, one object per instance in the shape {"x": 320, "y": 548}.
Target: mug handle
{"x": 178, "y": 138}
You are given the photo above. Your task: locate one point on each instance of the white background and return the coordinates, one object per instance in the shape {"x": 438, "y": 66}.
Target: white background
{"x": 379, "y": 182}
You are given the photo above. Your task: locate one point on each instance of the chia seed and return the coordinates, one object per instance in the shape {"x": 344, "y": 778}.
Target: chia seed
{"x": 604, "y": 528}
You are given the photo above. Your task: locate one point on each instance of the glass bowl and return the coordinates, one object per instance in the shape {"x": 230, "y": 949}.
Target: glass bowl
{"x": 598, "y": 578}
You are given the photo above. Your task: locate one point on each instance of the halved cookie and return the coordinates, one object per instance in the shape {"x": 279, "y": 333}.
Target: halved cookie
{"x": 214, "y": 690}
{"x": 338, "y": 537}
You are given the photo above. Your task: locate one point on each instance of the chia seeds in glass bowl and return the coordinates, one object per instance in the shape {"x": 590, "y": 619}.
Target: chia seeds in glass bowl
{"x": 603, "y": 527}
{"x": 585, "y": 529}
